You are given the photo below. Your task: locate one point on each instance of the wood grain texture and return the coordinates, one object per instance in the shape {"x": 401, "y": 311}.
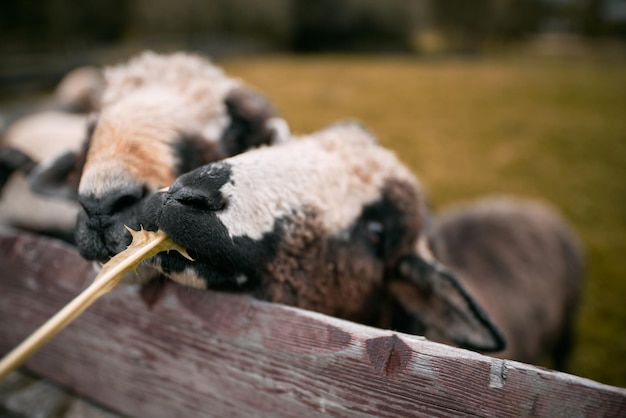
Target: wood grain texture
{"x": 169, "y": 351}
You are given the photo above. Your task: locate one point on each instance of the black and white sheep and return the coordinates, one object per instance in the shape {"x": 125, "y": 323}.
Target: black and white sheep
{"x": 321, "y": 222}
{"x": 524, "y": 266}
{"x": 161, "y": 116}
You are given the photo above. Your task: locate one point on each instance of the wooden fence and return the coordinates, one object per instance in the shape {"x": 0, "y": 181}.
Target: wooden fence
{"x": 165, "y": 350}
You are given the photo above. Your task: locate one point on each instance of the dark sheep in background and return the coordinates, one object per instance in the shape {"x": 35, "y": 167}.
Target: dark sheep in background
{"x": 522, "y": 263}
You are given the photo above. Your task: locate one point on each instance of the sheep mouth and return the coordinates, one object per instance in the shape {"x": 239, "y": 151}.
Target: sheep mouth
{"x": 100, "y": 243}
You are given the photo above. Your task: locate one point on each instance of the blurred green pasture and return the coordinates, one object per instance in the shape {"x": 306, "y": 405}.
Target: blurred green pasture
{"x": 546, "y": 128}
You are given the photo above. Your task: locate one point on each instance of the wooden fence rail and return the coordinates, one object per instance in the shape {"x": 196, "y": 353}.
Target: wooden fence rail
{"x": 169, "y": 351}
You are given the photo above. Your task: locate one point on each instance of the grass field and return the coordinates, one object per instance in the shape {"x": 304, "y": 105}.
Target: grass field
{"x": 552, "y": 129}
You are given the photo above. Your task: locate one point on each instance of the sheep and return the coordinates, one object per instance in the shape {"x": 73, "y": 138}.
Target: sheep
{"x": 522, "y": 263}
{"x": 58, "y": 125}
{"x": 322, "y": 222}
{"x": 161, "y": 116}
{"x": 38, "y": 181}
{"x": 32, "y": 145}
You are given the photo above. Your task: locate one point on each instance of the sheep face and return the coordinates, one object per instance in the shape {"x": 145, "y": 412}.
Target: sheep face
{"x": 160, "y": 117}
{"x": 332, "y": 223}
{"x": 132, "y": 152}
{"x": 238, "y": 212}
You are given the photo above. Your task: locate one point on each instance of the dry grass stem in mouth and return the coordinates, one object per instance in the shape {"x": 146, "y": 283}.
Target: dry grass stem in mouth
{"x": 145, "y": 244}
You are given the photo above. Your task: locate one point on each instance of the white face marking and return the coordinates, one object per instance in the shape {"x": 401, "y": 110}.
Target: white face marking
{"x": 214, "y": 128}
{"x": 46, "y": 134}
{"x": 104, "y": 177}
{"x": 152, "y": 99}
{"x": 280, "y": 130}
{"x": 188, "y": 277}
{"x": 337, "y": 172}
{"x": 423, "y": 249}
{"x": 19, "y": 207}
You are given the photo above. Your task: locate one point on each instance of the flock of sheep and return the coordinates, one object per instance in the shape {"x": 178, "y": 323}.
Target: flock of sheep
{"x": 329, "y": 221}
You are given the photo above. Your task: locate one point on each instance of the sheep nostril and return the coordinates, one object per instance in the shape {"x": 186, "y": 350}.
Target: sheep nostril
{"x": 124, "y": 202}
{"x": 113, "y": 202}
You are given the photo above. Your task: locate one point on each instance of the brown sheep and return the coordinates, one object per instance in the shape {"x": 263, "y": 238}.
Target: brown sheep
{"x": 522, "y": 263}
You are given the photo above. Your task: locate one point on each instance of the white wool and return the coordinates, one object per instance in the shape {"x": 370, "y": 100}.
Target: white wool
{"x": 147, "y": 104}
{"x": 201, "y": 85}
{"x": 23, "y": 209}
{"x": 154, "y": 112}
{"x": 46, "y": 134}
{"x": 337, "y": 171}
{"x": 104, "y": 177}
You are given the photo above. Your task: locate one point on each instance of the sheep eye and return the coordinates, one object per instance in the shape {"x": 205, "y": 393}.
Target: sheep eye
{"x": 374, "y": 231}
{"x": 223, "y": 202}
{"x": 217, "y": 203}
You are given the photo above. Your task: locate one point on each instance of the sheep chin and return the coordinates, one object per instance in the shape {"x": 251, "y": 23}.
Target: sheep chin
{"x": 189, "y": 277}
{"x": 144, "y": 273}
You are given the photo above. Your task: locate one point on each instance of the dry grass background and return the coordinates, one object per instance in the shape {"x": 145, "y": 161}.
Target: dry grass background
{"x": 548, "y": 128}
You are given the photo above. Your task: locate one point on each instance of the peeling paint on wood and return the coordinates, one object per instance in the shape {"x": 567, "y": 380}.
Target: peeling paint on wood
{"x": 497, "y": 373}
{"x": 177, "y": 351}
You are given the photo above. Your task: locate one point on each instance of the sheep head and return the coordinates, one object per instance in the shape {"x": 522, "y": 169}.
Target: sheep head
{"x": 160, "y": 117}
{"x": 331, "y": 222}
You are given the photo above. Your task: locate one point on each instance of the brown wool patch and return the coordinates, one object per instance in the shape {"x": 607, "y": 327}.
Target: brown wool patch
{"x": 145, "y": 157}
{"x": 410, "y": 203}
{"x": 315, "y": 271}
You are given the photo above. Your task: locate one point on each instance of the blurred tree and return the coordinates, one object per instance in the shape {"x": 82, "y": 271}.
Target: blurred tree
{"x": 602, "y": 18}
{"x": 590, "y": 18}
{"x": 468, "y": 25}
{"x": 347, "y": 25}
{"x": 53, "y": 24}
{"x": 229, "y": 22}
{"x": 515, "y": 19}
{"x": 464, "y": 23}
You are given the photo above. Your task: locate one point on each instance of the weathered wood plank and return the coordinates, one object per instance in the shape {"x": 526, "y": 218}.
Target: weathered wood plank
{"x": 174, "y": 351}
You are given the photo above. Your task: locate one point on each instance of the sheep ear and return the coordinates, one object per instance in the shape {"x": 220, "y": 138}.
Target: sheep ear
{"x": 59, "y": 176}
{"x": 253, "y": 122}
{"x": 436, "y": 305}
{"x": 12, "y": 160}
{"x": 55, "y": 177}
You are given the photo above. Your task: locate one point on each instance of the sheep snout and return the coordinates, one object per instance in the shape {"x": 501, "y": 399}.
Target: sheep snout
{"x": 100, "y": 231}
{"x": 114, "y": 201}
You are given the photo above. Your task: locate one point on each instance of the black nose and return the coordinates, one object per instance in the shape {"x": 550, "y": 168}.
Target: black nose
{"x": 113, "y": 201}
